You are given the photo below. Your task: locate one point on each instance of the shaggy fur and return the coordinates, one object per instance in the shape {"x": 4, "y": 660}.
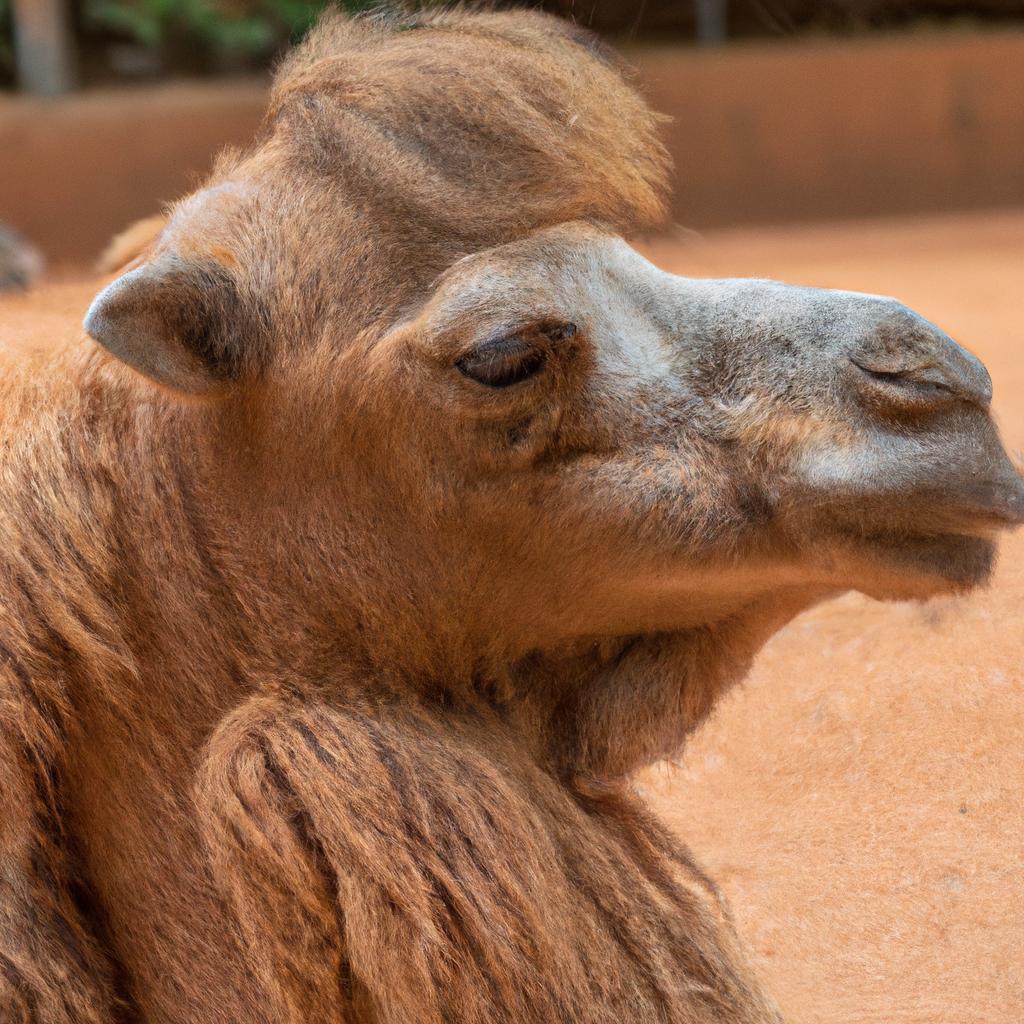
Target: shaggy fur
{"x": 325, "y": 662}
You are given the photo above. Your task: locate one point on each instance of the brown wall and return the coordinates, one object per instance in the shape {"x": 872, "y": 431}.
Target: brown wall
{"x": 759, "y": 133}
{"x": 831, "y": 130}
{"x": 75, "y": 171}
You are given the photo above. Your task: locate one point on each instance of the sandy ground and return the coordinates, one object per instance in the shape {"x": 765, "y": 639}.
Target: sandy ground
{"x": 860, "y": 798}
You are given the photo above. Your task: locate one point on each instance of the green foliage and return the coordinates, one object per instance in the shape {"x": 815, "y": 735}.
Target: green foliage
{"x": 253, "y": 26}
{"x": 248, "y": 33}
{"x": 6, "y": 37}
{"x": 145, "y": 21}
{"x": 294, "y": 16}
{"x": 150, "y": 22}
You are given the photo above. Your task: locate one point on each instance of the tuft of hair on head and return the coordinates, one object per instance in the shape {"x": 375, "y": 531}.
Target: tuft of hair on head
{"x": 516, "y": 119}
{"x": 130, "y": 244}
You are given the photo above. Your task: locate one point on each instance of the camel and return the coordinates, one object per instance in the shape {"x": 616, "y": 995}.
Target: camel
{"x": 396, "y": 514}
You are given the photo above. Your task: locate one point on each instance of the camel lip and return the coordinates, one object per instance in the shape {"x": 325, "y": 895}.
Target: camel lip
{"x": 949, "y": 505}
{"x": 949, "y": 539}
{"x": 999, "y": 519}
{"x": 969, "y": 519}
{"x": 1004, "y": 509}
{"x": 1001, "y": 512}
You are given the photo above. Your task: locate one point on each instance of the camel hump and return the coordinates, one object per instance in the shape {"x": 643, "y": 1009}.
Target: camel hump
{"x": 424, "y": 876}
{"x": 541, "y": 132}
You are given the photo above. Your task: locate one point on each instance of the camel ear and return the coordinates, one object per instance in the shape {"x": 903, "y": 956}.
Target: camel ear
{"x": 174, "y": 321}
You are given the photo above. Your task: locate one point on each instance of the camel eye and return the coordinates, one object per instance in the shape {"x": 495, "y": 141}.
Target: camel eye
{"x": 502, "y": 362}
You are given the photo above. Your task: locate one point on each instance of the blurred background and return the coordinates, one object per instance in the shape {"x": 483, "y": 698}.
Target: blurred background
{"x": 782, "y": 110}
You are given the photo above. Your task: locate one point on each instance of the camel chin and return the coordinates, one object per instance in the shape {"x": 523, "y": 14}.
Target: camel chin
{"x": 914, "y": 568}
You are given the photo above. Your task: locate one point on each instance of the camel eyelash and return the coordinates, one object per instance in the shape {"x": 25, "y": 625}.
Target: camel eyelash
{"x": 515, "y": 356}
{"x": 502, "y": 362}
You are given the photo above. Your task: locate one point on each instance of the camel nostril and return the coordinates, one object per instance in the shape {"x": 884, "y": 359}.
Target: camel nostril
{"x": 920, "y": 385}
{"x": 954, "y": 376}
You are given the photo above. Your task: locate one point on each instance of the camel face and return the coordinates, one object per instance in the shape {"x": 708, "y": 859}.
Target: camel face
{"x": 651, "y": 449}
{"x": 574, "y": 442}
{"x": 580, "y": 444}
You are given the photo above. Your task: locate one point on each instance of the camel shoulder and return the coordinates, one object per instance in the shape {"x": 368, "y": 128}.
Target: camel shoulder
{"x": 402, "y": 842}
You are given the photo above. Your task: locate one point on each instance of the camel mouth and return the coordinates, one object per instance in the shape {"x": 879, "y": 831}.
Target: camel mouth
{"x": 985, "y": 513}
{"x": 977, "y": 493}
{"x": 982, "y": 513}
{"x": 1000, "y": 505}
{"x": 939, "y": 541}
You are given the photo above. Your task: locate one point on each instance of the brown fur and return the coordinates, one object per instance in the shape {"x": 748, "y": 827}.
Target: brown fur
{"x": 324, "y": 668}
{"x": 351, "y": 853}
{"x": 130, "y": 244}
{"x": 363, "y": 856}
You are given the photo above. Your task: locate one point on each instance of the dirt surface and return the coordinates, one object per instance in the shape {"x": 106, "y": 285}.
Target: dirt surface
{"x": 860, "y": 798}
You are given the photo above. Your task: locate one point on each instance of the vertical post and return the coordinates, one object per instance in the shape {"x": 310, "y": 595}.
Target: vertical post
{"x": 711, "y": 22}
{"x": 42, "y": 47}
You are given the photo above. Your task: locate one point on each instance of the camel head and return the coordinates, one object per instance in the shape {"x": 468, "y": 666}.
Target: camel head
{"x": 463, "y": 417}
{"x": 661, "y": 444}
